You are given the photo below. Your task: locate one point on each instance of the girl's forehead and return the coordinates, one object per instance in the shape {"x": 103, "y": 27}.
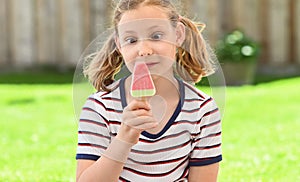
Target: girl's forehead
{"x": 143, "y": 12}
{"x": 145, "y": 25}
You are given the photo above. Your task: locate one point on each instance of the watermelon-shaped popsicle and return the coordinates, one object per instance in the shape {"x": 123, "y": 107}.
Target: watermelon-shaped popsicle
{"x": 142, "y": 83}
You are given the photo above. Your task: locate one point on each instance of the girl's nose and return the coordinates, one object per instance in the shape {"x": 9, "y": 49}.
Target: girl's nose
{"x": 144, "y": 48}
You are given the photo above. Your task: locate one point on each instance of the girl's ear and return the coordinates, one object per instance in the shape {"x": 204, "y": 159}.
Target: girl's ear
{"x": 180, "y": 34}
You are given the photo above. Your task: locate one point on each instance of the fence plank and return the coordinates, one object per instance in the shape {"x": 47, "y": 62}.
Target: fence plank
{"x": 47, "y": 31}
{"x": 100, "y": 16}
{"x": 250, "y": 17}
{"x": 279, "y": 31}
{"x": 3, "y": 33}
{"x": 57, "y": 31}
{"x": 264, "y": 29}
{"x": 72, "y": 31}
{"x": 22, "y": 33}
{"x": 297, "y": 31}
{"x": 213, "y": 21}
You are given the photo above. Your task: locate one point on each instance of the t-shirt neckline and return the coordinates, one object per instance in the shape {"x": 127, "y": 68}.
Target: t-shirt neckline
{"x": 172, "y": 118}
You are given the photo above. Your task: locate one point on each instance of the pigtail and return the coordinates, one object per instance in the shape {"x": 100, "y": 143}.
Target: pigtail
{"x": 193, "y": 56}
{"x": 105, "y": 65}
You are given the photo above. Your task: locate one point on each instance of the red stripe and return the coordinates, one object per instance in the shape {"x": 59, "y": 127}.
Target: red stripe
{"x": 160, "y": 162}
{"x": 194, "y": 90}
{"x": 161, "y": 150}
{"x": 190, "y": 111}
{"x": 210, "y": 125}
{"x": 207, "y": 147}
{"x": 105, "y": 108}
{"x": 193, "y": 100}
{"x": 94, "y": 134}
{"x": 91, "y": 145}
{"x": 211, "y": 112}
{"x": 208, "y": 136}
{"x": 111, "y": 99}
{"x": 92, "y": 122}
{"x": 206, "y": 102}
{"x": 92, "y": 110}
{"x": 152, "y": 174}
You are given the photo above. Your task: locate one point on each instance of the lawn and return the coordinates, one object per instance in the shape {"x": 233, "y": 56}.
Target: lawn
{"x": 260, "y": 133}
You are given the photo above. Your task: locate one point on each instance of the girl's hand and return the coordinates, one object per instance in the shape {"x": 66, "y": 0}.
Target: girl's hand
{"x": 136, "y": 118}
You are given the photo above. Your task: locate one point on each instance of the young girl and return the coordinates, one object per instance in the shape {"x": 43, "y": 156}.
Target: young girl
{"x": 172, "y": 136}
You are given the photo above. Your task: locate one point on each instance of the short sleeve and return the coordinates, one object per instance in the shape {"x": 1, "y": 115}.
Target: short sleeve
{"x": 93, "y": 133}
{"x": 207, "y": 140}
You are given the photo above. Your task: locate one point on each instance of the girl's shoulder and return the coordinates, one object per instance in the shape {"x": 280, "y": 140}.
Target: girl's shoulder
{"x": 103, "y": 95}
{"x": 192, "y": 92}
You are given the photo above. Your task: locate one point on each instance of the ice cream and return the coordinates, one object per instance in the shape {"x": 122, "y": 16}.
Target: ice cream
{"x": 142, "y": 84}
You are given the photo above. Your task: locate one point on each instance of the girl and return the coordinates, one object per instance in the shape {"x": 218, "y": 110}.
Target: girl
{"x": 172, "y": 136}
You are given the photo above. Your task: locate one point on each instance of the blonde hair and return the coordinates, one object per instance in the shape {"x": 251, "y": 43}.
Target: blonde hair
{"x": 193, "y": 59}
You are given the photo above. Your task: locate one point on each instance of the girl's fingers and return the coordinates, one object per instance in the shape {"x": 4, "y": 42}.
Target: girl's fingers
{"x": 136, "y": 113}
{"x": 137, "y": 104}
{"x": 139, "y": 120}
{"x": 146, "y": 126}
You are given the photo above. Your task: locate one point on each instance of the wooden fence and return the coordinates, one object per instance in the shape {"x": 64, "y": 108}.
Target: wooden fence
{"x": 55, "y": 32}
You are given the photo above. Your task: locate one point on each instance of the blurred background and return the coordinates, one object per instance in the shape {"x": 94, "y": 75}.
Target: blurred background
{"x": 40, "y": 45}
{"x": 52, "y": 34}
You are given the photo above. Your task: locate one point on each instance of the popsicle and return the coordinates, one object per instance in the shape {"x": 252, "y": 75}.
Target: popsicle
{"x": 142, "y": 84}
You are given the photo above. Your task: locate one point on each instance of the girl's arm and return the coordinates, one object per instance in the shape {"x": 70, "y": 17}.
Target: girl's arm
{"x": 136, "y": 118}
{"x": 104, "y": 169}
{"x": 109, "y": 166}
{"x": 207, "y": 173}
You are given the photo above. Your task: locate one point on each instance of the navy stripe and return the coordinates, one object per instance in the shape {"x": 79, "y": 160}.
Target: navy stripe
{"x": 92, "y": 122}
{"x": 111, "y": 99}
{"x": 165, "y": 137}
{"x": 159, "y": 162}
{"x": 153, "y": 174}
{"x": 207, "y": 147}
{"x": 92, "y": 133}
{"x": 211, "y": 112}
{"x": 210, "y": 124}
{"x": 191, "y": 110}
{"x": 91, "y": 145}
{"x": 193, "y": 100}
{"x": 194, "y": 90}
{"x": 167, "y": 126}
{"x": 87, "y": 157}
{"x": 206, "y": 161}
{"x": 106, "y": 108}
{"x": 208, "y": 136}
{"x": 161, "y": 150}
{"x": 205, "y": 102}
{"x": 92, "y": 110}
{"x": 123, "y": 179}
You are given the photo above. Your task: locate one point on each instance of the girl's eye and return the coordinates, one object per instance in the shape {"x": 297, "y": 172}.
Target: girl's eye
{"x": 130, "y": 40}
{"x": 156, "y": 36}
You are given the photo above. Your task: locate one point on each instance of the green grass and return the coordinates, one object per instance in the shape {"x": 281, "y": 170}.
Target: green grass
{"x": 38, "y": 133}
{"x": 260, "y": 133}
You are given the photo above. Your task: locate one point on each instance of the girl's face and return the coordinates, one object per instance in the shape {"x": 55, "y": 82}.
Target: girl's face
{"x": 146, "y": 34}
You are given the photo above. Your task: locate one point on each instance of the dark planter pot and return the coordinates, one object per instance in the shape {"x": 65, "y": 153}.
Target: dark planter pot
{"x": 241, "y": 73}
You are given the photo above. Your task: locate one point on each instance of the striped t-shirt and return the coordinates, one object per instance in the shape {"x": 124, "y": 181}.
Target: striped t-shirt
{"x": 192, "y": 136}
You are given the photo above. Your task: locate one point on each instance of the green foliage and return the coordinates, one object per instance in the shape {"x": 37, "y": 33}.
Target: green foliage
{"x": 237, "y": 47}
{"x": 37, "y": 77}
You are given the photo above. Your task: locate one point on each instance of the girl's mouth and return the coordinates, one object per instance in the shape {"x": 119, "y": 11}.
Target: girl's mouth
{"x": 151, "y": 64}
